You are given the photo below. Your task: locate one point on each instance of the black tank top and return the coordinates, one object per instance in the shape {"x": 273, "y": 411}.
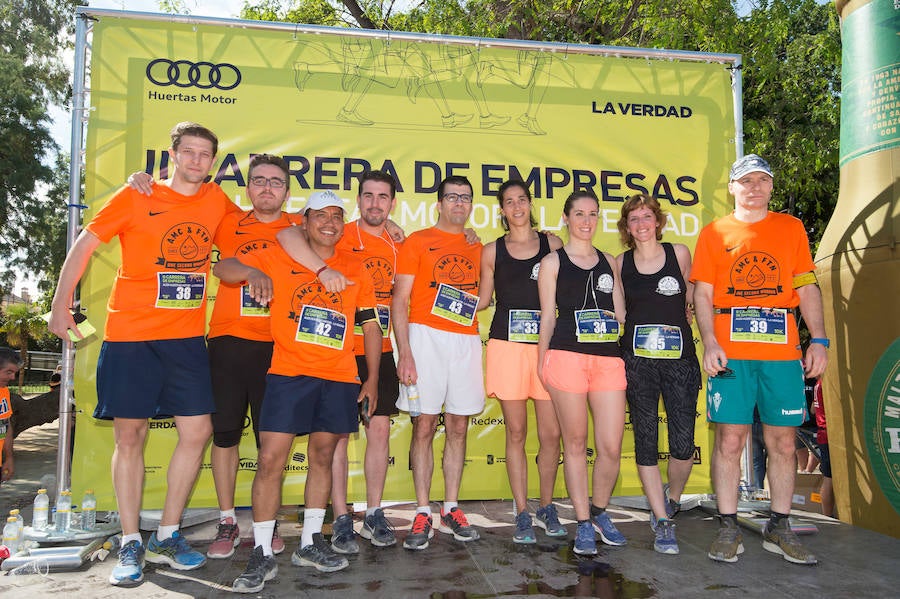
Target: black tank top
{"x": 515, "y": 284}
{"x": 579, "y": 289}
{"x": 657, "y": 299}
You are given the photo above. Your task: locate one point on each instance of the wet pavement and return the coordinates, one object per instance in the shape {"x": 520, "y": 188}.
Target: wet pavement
{"x": 853, "y": 562}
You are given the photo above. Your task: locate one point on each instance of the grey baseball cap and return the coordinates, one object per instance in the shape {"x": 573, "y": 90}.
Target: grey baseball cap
{"x": 319, "y": 200}
{"x": 751, "y": 163}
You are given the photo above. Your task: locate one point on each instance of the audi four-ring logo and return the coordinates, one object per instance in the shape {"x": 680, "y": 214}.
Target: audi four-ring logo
{"x": 184, "y": 73}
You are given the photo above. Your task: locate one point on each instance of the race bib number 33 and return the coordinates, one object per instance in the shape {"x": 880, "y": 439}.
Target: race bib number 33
{"x": 180, "y": 290}
{"x": 524, "y": 325}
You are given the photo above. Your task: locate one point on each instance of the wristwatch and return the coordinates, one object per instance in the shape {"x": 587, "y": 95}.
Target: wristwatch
{"x": 821, "y": 341}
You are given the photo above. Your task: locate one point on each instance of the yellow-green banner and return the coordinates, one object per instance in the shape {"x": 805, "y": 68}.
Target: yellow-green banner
{"x": 335, "y": 102}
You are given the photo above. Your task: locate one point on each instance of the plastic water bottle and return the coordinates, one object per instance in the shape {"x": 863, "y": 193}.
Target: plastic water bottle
{"x": 41, "y": 510}
{"x": 11, "y": 535}
{"x": 20, "y": 522}
{"x": 412, "y": 396}
{"x": 63, "y": 511}
{"x": 88, "y": 510}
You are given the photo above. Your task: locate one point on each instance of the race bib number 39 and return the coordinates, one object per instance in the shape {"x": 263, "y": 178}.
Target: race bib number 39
{"x": 657, "y": 341}
{"x": 249, "y": 306}
{"x": 180, "y": 290}
{"x": 455, "y": 305}
{"x": 762, "y": 325}
{"x": 524, "y": 325}
{"x": 596, "y": 326}
{"x": 321, "y": 326}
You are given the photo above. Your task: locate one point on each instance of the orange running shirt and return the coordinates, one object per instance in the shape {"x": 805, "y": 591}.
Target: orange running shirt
{"x": 166, "y": 241}
{"x": 753, "y": 264}
{"x": 379, "y": 256}
{"x": 435, "y": 257}
{"x": 5, "y": 417}
{"x": 297, "y": 292}
{"x": 234, "y": 312}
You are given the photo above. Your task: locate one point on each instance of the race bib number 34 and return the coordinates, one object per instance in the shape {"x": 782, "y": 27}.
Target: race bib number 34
{"x": 180, "y": 290}
{"x": 321, "y": 326}
{"x": 596, "y": 326}
{"x": 762, "y": 325}
{"x": 455, "y": 305}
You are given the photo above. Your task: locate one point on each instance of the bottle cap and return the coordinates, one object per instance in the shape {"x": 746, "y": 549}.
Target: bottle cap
{"x": 11, "y": 519}
{"x": 4, "y": 552}
{"x": 13, "y": 512}
{"x": 88, "y": 491}
{"x": 42, "y": 490}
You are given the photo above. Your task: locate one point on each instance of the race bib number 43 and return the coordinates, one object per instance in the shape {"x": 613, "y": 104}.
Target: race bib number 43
{"x": 455, "y": 305}
{"x": 321, "y": 326}
{"x": 180, "y": 290}
{"x": 762, "y": 325}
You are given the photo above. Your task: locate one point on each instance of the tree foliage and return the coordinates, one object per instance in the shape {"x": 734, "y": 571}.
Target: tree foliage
{"x": 33, "y": 35}
{"x": 22, "y": 324}
{"x": 791, "y": 52}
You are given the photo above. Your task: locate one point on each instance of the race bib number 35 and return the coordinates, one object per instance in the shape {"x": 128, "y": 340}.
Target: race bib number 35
{"x": 657, "y": 341}
{"x": 180, "y": 290}
{"x": 321, "y": 326}
{"x": 455, "y": 305}
{"x": 596, "y": 326}
{"x": 762, "y": 325}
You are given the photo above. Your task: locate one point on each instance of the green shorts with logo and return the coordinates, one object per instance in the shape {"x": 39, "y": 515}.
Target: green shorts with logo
{"x": 775, "y": 386}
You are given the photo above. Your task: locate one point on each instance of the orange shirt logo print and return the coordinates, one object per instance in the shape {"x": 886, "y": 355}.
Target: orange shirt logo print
{"x": 755, "y": 274}
{"x": 314, "y": 294}
{"x": 457, "y": 271}
{"x": 382, "y": 273}
{"x": 253, "y": 246}
{"x": 186, "y": 246}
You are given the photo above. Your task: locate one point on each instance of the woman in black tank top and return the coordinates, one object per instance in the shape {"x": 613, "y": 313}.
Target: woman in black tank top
{"x": 580, "y": 366}
{"x": 509, "y": 268}
{"x": 658, "y": 348}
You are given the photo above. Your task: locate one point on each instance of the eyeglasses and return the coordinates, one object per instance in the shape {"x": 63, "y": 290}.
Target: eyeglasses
{"x": 458, "y": 198}
{"x": 272, "y": 182}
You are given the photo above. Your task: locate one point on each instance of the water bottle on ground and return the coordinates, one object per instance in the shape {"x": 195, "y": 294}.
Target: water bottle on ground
{"x": 412, "y": 396}
{"x": 63, "y": 511}
{"x": 88, "y": 510}
{"x": 11, "y": 535}
{"x": 41, "y": 510}
{"x": 20, "y": 522}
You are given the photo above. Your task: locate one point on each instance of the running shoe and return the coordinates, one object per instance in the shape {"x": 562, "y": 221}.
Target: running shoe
{"x": 228, "y": 536}
{"x": 524, "y": 534}
{"x": 260, "y": 568}
{"x": 378, "y": 530}
{"x": 782, "y": 540}
{"x": 420, "y": 532}
{"x": 665, "y": 538}
{"x": 343, "y": 539}
{"x": 585, "y": 543}
{"x": 319, "y": 555}
{"x": 728, "y": 544}
{"x": 130, "y": 569}
{"x": 175, "y": 552}
{"x": 609, "y": 534}
{"x": 277, "y": 541}
{"x": 455, "y": 523}
{"x": 547, "y": 518}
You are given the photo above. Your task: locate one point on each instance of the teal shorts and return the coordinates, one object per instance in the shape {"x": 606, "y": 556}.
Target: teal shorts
{"x": 775, "y": 386}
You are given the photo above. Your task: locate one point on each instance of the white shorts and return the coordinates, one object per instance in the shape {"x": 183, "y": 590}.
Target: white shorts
{"x": 450, "y": 372}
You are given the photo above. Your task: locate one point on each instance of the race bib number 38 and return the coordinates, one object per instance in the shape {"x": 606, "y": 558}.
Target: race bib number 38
{"x": 455, "y": 305}
{"x": 321, "y": 326}
{"x": 596, "y": 326}
{"x": 180, "y": 290}
{"x": 762, "y": 325}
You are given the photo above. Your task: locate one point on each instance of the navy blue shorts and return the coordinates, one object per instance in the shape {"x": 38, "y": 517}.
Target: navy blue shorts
{"x": 153, "y": 379}
{"x": 301, "y": 405}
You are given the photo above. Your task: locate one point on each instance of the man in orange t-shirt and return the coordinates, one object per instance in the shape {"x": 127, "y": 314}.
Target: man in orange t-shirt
{"x": 9, "y": 368}
{"x": 153, "y": 360}
{"x": 313, "y": 385}
{"x": 751, "y": 269}
{"x": 367, "y": 238}
{"x": 439, "y": 348}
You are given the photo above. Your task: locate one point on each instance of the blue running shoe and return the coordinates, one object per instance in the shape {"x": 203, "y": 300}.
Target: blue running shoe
{"x": 548, "y": 519}
{"x": 585, "y": 543}
{"x": 130, "y": 569}
{"x": 608, "y": 531}
{"x": 174, "y": 552}
{"x": 665, "y": 538}
{"x": 524, "y": 534}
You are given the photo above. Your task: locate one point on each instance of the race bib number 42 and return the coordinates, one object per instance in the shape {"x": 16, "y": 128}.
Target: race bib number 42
{"x": 321, "y": 326}
{"x": 455, "y": 305}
